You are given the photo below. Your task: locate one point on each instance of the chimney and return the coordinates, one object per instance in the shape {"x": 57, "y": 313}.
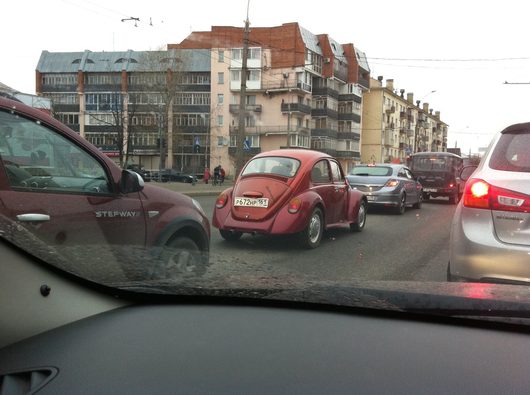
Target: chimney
{"x": 402, "y": 92}
{"x": 410, "y": 97}
{"x": 380, "y": 78}
{"x": 418, "y": 103}
{"x": 390, "y": 85}
{"x": 426, "y": 107}
{"x": 430, "y": 111}
{"x": 437, "y": 114}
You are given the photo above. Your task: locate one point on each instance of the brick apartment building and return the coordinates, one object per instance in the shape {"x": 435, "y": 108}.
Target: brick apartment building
{"x": 303, "y": 90}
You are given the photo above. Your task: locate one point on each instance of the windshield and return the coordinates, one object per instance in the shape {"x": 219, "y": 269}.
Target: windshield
{"x": 149, "y": 147}
{"x": 431, "y": 164}
{"x": 371, "y": 171}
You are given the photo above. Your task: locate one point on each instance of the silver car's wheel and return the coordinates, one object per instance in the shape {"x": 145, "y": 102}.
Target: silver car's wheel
{"x": 312, "y": 234}
{"x": 400, "y": 209}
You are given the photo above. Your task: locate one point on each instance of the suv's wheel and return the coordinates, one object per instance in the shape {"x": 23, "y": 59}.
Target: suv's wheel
{"x": 310, "y": 237}
{"x": 180, "y": 257}
{"x": 400, "y": 209}
{"x": 230, "y": 235}
{"x": 361, "y": 218}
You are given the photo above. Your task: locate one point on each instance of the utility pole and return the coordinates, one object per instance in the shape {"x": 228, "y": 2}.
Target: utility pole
{"x": 240, "y": 153}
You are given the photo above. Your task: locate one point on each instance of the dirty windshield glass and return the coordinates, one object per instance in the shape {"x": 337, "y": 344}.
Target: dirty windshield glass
{"x": 184, "y": 149}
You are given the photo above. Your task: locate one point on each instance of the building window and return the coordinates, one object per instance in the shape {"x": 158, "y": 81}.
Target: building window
{"x": 254, "y": 53}
{"x": 220, "y": 140}
{"x": 220, "y": 78}
{"x": 221, "y": 57}
{"x": 235, "y": 75}
{"x": 254, "y": 75}
{"x": 220, "y": 120}
{"x": 236, "y": 54}
{"x": 220, "y": 98}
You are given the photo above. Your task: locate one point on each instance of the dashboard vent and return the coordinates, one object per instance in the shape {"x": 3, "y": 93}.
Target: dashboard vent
{"x": 26, "y": 382}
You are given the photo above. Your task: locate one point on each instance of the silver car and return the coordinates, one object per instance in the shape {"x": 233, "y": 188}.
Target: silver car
{"x": 490, "y": 233}
{"x": 387, "y": 185}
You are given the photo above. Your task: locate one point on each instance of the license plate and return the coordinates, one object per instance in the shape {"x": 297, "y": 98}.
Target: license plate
{"x": 251, "y": 202}
{"x": 430, "y": 190}
{"x": 370, "y": 198}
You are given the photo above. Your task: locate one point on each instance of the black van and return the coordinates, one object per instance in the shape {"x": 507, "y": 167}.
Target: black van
{"x": 439, "y": 174}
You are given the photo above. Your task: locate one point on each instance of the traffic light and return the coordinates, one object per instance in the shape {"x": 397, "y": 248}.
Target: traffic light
{"x": 197, "y": 146}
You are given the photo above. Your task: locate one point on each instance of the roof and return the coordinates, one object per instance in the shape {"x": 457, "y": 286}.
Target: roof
{"x": 337, "y": 49}
{"x": 435, "y": 154}
{"x": 310, "y": 40}
{"x": 88, "y": 61}
{"x": 296, "y": 153}
{"x": 362, "y": 59}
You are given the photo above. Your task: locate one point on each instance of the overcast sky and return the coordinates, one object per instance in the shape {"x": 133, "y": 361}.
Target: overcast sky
{"x": 462, "y": 50}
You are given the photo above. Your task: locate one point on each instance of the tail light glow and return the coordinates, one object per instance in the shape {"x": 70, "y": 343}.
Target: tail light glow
{"x": 221, "y": 201}
{"x": 480, "y": 194}
{"x": 392, "y": 183}
{"x": 294, "y": 205}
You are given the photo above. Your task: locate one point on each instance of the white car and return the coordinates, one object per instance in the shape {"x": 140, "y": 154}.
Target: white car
{"x": 490, "y": 233}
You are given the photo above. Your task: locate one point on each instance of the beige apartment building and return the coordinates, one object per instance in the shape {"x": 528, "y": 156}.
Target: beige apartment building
{"x": 394, "y": 126}
{"x": 303, "y": 90}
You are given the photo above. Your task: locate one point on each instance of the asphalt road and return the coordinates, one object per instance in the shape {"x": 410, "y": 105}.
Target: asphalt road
{"x": 413, "y": 246}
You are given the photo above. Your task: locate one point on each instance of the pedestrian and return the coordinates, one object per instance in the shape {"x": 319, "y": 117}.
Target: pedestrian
{"x": 216, "y": 174}
{"x": 206, "y": 176}
{"x": 222, "y": 174}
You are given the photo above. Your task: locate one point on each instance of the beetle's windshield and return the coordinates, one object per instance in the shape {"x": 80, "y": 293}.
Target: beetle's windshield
{"x": 273, "y": 165}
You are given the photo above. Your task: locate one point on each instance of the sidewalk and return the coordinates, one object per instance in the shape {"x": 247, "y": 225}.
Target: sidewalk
{"x": 199, "y": 189}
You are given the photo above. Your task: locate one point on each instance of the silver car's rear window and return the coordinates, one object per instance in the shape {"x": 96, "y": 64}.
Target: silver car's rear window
{"x": 512, "y": 153}
{"x": 371, "y": 171}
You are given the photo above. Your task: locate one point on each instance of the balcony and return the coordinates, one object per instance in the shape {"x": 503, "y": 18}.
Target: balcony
{"x": 390, "y": 109}
{"x": 58, "y": 88}
{"x": 345, "y": 154}
{"x": 66, "y": 108}
{"x": 248, "y": 154}
{"x": 325, "y": 112}
{"x": 365, "y": 83}
{"x": 325, "y": 91}
{"x": 348, "y": 136}
{"x": 270, "y": 130}
{"x": 296, "y": 108}
{"x": 388, "y": 139}
{"x": 324, "y": 132}
{"x": 350, "y": 117}
{"x": 234, "y": 108}
{"x": 272, "y": 86}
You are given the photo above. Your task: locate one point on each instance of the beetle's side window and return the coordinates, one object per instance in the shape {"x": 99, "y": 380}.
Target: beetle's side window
{"x": 38, "y": 159}
{"x": 320, "y": 172}
{"x": 335, "y": 172}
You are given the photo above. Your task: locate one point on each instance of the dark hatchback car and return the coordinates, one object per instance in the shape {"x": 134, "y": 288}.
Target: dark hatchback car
{"x": 146, "y": 174}
{"x": 387, "y": 185}
{"x": 72, "y": 203}
{"x": 167, "y": 175}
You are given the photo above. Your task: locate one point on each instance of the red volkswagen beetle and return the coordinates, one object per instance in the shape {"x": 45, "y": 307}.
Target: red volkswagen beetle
{"x": 289, "y": 191}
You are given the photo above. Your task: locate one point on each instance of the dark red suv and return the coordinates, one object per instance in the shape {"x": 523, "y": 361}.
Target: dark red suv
{"x": 62, "y": 194}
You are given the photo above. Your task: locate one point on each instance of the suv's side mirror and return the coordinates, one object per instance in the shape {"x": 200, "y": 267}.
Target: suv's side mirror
{"x": 131, "y": 182}
{"x": 466, "y": 172}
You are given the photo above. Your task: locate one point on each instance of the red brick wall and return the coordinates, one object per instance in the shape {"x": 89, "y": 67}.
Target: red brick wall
{"x": 285, "y": 42}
